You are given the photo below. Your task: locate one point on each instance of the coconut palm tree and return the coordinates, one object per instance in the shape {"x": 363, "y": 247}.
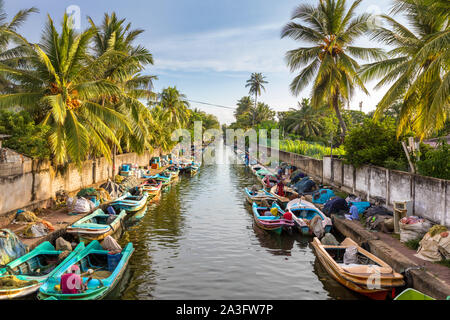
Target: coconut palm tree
{"x": 329, "y": 64}
{"x": 417, "y": 68}
{"x": 256, "y": 83}
{"x": 58, "y": 80}
{"x": 175, "y": 107}
{"x": 125, "y": 71}
{"x": 11, "y": 55}
{"x": 305, "y": 120}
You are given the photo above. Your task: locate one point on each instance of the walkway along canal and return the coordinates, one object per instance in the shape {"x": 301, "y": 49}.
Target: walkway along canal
{"x": 199, "y": 242}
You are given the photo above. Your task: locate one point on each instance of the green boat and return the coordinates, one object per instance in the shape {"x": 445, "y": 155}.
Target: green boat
{"x": 107, "y": 270}
{"x": 411, "y": 294}
{"x": 33, "y": 269}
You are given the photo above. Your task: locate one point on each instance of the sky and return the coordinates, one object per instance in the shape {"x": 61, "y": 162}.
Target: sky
{"x": 207, "y": 48}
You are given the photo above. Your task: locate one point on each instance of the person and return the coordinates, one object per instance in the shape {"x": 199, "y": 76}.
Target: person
{"x": 280, "y": 189}
{"x": 247, "y": 159}
{"x": 354, "y": 215}
{"x": 71, "y": 282}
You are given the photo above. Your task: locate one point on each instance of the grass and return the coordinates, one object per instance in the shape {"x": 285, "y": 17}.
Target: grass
{"x": 413, "y": 244}
{"x": 314, "y": 150}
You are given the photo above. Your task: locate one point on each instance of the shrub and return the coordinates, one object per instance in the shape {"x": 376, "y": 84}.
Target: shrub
{"x": 435, "y": 162}
{"x": 26, "y": 137}
{"x": 375, "y": 143}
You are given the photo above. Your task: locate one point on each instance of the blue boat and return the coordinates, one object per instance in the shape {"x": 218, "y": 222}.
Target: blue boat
{"x": 35, "y": 268}
{"x": 303, "y": 212}
{"x": 131, "y": 204}
{"x": 258, "y": 196}
{"x": 106, "y": 271}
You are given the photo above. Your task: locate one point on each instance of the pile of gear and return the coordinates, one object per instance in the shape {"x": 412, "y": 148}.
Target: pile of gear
{"x": 11, "y": 247}
{"x": 36, "y": 227}
{"x": 435, "y": 245}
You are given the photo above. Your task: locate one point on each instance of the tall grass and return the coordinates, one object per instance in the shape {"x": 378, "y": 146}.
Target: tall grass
{"x": 314, "y": 150}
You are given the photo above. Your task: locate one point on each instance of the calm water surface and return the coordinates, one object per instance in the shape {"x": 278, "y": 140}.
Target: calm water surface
{"x": 199, "y": 242}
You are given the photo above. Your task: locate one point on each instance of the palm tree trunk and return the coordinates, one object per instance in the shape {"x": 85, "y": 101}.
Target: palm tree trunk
{"x": 256, "y": 98}
{"x": 339, "y": 116}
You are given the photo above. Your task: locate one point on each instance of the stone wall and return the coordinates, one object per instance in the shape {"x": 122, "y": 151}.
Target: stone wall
{"x": 32, "y": 183}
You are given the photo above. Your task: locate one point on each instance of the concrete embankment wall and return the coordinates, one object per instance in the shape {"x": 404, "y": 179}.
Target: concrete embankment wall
{"x": 31, "y": 184}
{"x": 430, "y": 197}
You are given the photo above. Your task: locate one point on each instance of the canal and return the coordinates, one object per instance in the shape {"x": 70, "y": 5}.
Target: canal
{"x": 199, "y": 242}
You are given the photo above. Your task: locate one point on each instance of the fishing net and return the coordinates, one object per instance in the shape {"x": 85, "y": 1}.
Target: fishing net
{"x": 118, "y": 179}
{"x": 434, "y": 230}
{"x": 129, "y": 183}
{"x": 14, "y": 282}
{"x": 88, "y": 192}
{"x": 26, "y": 216}
{"x": 100, "y": 274}
{"x": 11, "y": 247}
{"x": 35, "y": 230}
{"x": 112, "y": 188}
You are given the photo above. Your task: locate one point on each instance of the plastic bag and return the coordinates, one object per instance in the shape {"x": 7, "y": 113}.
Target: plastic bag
{"x": 350, "y": 255}
{"x": 80, "y": 205}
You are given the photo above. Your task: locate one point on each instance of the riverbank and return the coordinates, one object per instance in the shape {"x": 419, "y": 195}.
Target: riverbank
{"x": 58, "y": 217}
{"x": 428, "y": 277}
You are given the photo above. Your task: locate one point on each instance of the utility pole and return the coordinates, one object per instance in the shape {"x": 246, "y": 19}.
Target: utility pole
{"x": 360, "y": 106}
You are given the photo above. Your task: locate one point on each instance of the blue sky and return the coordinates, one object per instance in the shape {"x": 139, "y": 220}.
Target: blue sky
{"x": 207, "y": 48}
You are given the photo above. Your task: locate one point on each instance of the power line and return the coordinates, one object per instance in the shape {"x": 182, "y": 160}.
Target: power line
{"x": 211, "y": 104}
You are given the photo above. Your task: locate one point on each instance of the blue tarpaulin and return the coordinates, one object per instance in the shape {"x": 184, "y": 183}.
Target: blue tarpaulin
{"x": 322, "y": 196}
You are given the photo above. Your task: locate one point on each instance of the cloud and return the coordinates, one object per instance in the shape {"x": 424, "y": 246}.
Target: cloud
{"x": 246, "y": 49}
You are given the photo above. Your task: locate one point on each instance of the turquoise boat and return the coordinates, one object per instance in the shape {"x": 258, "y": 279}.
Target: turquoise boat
{"x": 269, "y": 222}
{"x": 165, "y": 179}
{"x": 97, "y": 225}
{"x": 108, "y": 270}
{"x": 37, "y": 266}
{"x": 411, "y": 294}
{"x": 131, "y": 204}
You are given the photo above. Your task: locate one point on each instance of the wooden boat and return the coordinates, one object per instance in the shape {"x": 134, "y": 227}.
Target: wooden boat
{"x": 371, "y": 277}
{"x": 289, "y": 194}
{"x": 411, "y": 294}
{"x": 97, "y": 225}
{"x": 34, "y": 267}
{"x": 258, "y": 197}
{"x": 302, "y": 214}
{"x": 108, "y": 270}
{"x": 131, "y": 203}
{"x": 270, "y": 223}
{"x": 151, "y": 186}
{"x": 165, "y": 179}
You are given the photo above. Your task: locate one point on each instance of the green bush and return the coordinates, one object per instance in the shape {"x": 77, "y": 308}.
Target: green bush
{"x": 313, "y": 150}
{"x": 375, "y": 143}
{"x": 26, "y": 137}
{"x": 435, "y": 162}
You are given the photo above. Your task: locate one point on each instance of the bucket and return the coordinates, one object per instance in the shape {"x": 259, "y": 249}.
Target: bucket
{"x": 125, "y": 167}
{"x": 113, "y": 261}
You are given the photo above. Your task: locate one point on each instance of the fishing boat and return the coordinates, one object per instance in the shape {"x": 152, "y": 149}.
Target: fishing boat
{"x": 288, "y": 194}
{"x": 32, "y": 269}
{"x": 270, "y": 222}
{"x": 164, "y": 178}
{"x": 371, "y": 276}
{"x": 131, "y": 203}
{"x": 258, "y": 197}
{"x": 97, "y": 225}
{"x": 151, "y": 186}
{"x": 107, "y": 269}
{"x": 303, "y": 212}
{"x": 412, "y": 294}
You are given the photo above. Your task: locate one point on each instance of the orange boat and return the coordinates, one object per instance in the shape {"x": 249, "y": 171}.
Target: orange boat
{"x": 370, "y": 276}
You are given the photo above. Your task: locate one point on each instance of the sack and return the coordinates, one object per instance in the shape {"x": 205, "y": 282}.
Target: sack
{"x": 62, "y": 245}
{"x": 35, "y": 230}
{"x": 80, "y": 205}
{"x": 412, "y": 228}
{"x": 350, "y": 255}
{"x": 110, "y": 244}
{"x": 329, "y": 240}
{"x": 434, "y": 248}
{"x": 316, "y": 227}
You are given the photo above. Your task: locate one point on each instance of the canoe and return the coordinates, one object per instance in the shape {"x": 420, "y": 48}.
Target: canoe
{"x": 108, "y": 270}
{"x": 130, "y": 203}
{"x": 269, "y": 181}
{"x": 371, "y": 276}
{"x": 36, "y": 266}
{"x": 289, "y": 194}
{"x": 302, "y": 214}
{"x": 411, "y": 294}
{"x": 152, "y": 187}
{"x": 269, "y": 223}
{"x": 258, "y": 197}
{"x": 97, "y": 225}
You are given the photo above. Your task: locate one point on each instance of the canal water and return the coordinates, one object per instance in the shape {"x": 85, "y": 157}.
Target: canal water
{"x": 199, "y": 242}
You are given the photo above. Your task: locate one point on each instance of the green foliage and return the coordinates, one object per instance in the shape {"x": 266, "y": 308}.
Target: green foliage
{"x": 26, "y": 137}
{"x": 435, "y": 162}
{"x": 374, "y": 143}
{"x": 313, "y": 150}
{"x": 413, "y": 244}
